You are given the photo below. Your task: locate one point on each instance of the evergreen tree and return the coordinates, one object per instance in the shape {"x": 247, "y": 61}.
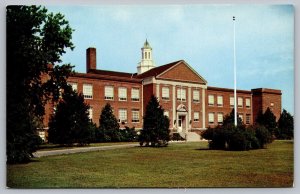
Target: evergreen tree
{"x": 109, "y": 126}
{"x": 35, "y": 39}
{"x": 285, "y": 126}
{"x": 156, "y": 125}
{"x": 70, "y": 123}
{"x": 229, "y": 119}
{"x": 268, "y": 119}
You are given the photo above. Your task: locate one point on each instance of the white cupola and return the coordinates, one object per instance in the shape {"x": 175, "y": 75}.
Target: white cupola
{"x": 146, "y": 63}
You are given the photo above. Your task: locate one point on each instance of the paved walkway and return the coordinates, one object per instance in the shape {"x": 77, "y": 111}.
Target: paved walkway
{"x": 39, "y": 154}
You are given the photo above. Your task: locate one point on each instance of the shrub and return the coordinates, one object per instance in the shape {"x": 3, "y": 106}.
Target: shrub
{"x": 237, "y": 138}
{"x": 128, "y": 134}
{"x": 176, "y": 137}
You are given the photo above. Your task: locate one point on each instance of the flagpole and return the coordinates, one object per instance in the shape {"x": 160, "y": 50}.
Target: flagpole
{"x": 234, "y": 72}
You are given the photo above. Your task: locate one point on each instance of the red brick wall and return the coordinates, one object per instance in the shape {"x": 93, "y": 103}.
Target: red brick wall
{"x": 226, "y": 108}
{"x": 98, "y": 101}
{"x": 182, "y": 72}
{"x": 265, "y": 98}
{"x": 90, "y": 59}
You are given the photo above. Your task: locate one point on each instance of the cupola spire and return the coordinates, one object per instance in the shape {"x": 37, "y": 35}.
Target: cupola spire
{"x": 147, "y": 62}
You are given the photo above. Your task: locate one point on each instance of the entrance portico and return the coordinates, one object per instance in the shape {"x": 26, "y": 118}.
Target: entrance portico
{"x": 182, "y": 118}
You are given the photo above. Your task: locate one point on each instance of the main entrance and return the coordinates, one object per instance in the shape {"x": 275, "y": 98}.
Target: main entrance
{"x": 181, "y": 115}
{"x": 181, "y": 123}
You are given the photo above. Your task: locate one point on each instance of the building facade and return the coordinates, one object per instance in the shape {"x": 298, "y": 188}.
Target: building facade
{"x": 188, "y": 101}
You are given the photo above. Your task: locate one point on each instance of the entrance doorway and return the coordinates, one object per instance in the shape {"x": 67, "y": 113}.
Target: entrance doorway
{"x": 181, "y": 123}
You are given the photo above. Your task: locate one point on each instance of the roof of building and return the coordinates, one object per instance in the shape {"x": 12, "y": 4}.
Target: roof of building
{"x": 227, "y": 90}
{"x": 147, "y": 45}
{"x": 157, "y": 70}
{"x": 112, "y": 73}
{"x": 109, "y": 75}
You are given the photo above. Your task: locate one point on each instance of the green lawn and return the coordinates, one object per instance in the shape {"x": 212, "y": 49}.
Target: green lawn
{"x": 179, "y": 165}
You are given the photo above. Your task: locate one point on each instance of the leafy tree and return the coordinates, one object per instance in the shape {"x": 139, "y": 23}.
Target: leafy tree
{"x": 35, "y": 39}
{"x": 109, "y": 126}
{"x": 268, "y": 119}
{"x": 156, "y": 125}
{"x": 70, "y": 123}
{"x": 285, "y": 126}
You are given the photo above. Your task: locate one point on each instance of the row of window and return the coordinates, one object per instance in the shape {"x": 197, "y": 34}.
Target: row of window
{"x": 109, "y": 92}
{"x": 220, "y": 116}
{"x": 122, "y": 115}
{"x": 240, "y": 103}
{"x": 181, "y": 94}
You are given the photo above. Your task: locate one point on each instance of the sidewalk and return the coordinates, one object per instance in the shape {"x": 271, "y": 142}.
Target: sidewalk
{"x": 39, "y": 154}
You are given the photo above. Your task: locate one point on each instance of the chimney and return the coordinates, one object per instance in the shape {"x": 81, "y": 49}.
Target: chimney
{"x": 90, "y": 59}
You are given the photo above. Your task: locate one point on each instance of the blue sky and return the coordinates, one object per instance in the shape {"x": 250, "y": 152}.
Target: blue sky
{"x": 202, "y": 35}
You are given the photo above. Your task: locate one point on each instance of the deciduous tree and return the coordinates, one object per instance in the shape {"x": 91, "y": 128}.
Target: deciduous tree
{"x": 35, "y": 39}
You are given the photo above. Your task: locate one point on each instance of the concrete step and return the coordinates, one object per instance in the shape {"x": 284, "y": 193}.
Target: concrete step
{"x": 190, "y": 136}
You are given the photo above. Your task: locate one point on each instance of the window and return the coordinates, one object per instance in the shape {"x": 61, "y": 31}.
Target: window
{"x": 42, "y": 135}
{"x": 73, "y": 85}
{"x": 91, "y": 113}
{"x": 135, "y": 116}
{"x": 181, "y": 94}
{"x": 231, "y": 101}
{"x": 166, "y": 113}
{"x": 122, "y": 94}
{"x": 241, "y": 117}
{"x": 122, "y": 116}
{"x": 220, "y": 100}
{"x": 248, "y": 103}
{"x": 88, "y": 91}
{"x": 248, "y": 116}
{"x": 165, "y": 93}
{"x": 109, "y": 93}
{"x": 196, "y": 96}
{"x": 135, "y": 94}
{"x": 240, "y": 102}
{"x": 196, "y": 116}
{"x": 220, "y": 118}
{"x": 211, "y": 118}
{"x": 211, "y": 100}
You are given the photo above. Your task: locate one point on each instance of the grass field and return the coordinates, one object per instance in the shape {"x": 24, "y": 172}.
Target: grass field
{"x": 179, "y": 165}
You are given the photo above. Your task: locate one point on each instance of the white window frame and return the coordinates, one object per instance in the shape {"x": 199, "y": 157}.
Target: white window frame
{"x": 196, "y": 116}
{"x": 88, "y": 91}
{"x": 240, "y": 102}
{"x": 196, "y": 96}
{"x": 122, "y": 93}
{"x": 135, "y": 116}
{"x": 211, "y": 118}
{"x": 231, "y": 101}
{"x": 181, "y": 94}
{"x": 74, "y": 86}
{"x": 220, "y": 118}
{"x": 122, "y": 115}
{"x": 211, "y": 100}
{"x": 90, "y": 113}
{"x": 248, "y": 119}
{"x": 166, "y": 113}
{"x": 165, "y": 93}
{"x": 135, "y": 94}
{"x": 248, "y": 103}
{"x": 220, "y": 101}
{"x": 109, "y": 93}
{"x": 241, "y": 116}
